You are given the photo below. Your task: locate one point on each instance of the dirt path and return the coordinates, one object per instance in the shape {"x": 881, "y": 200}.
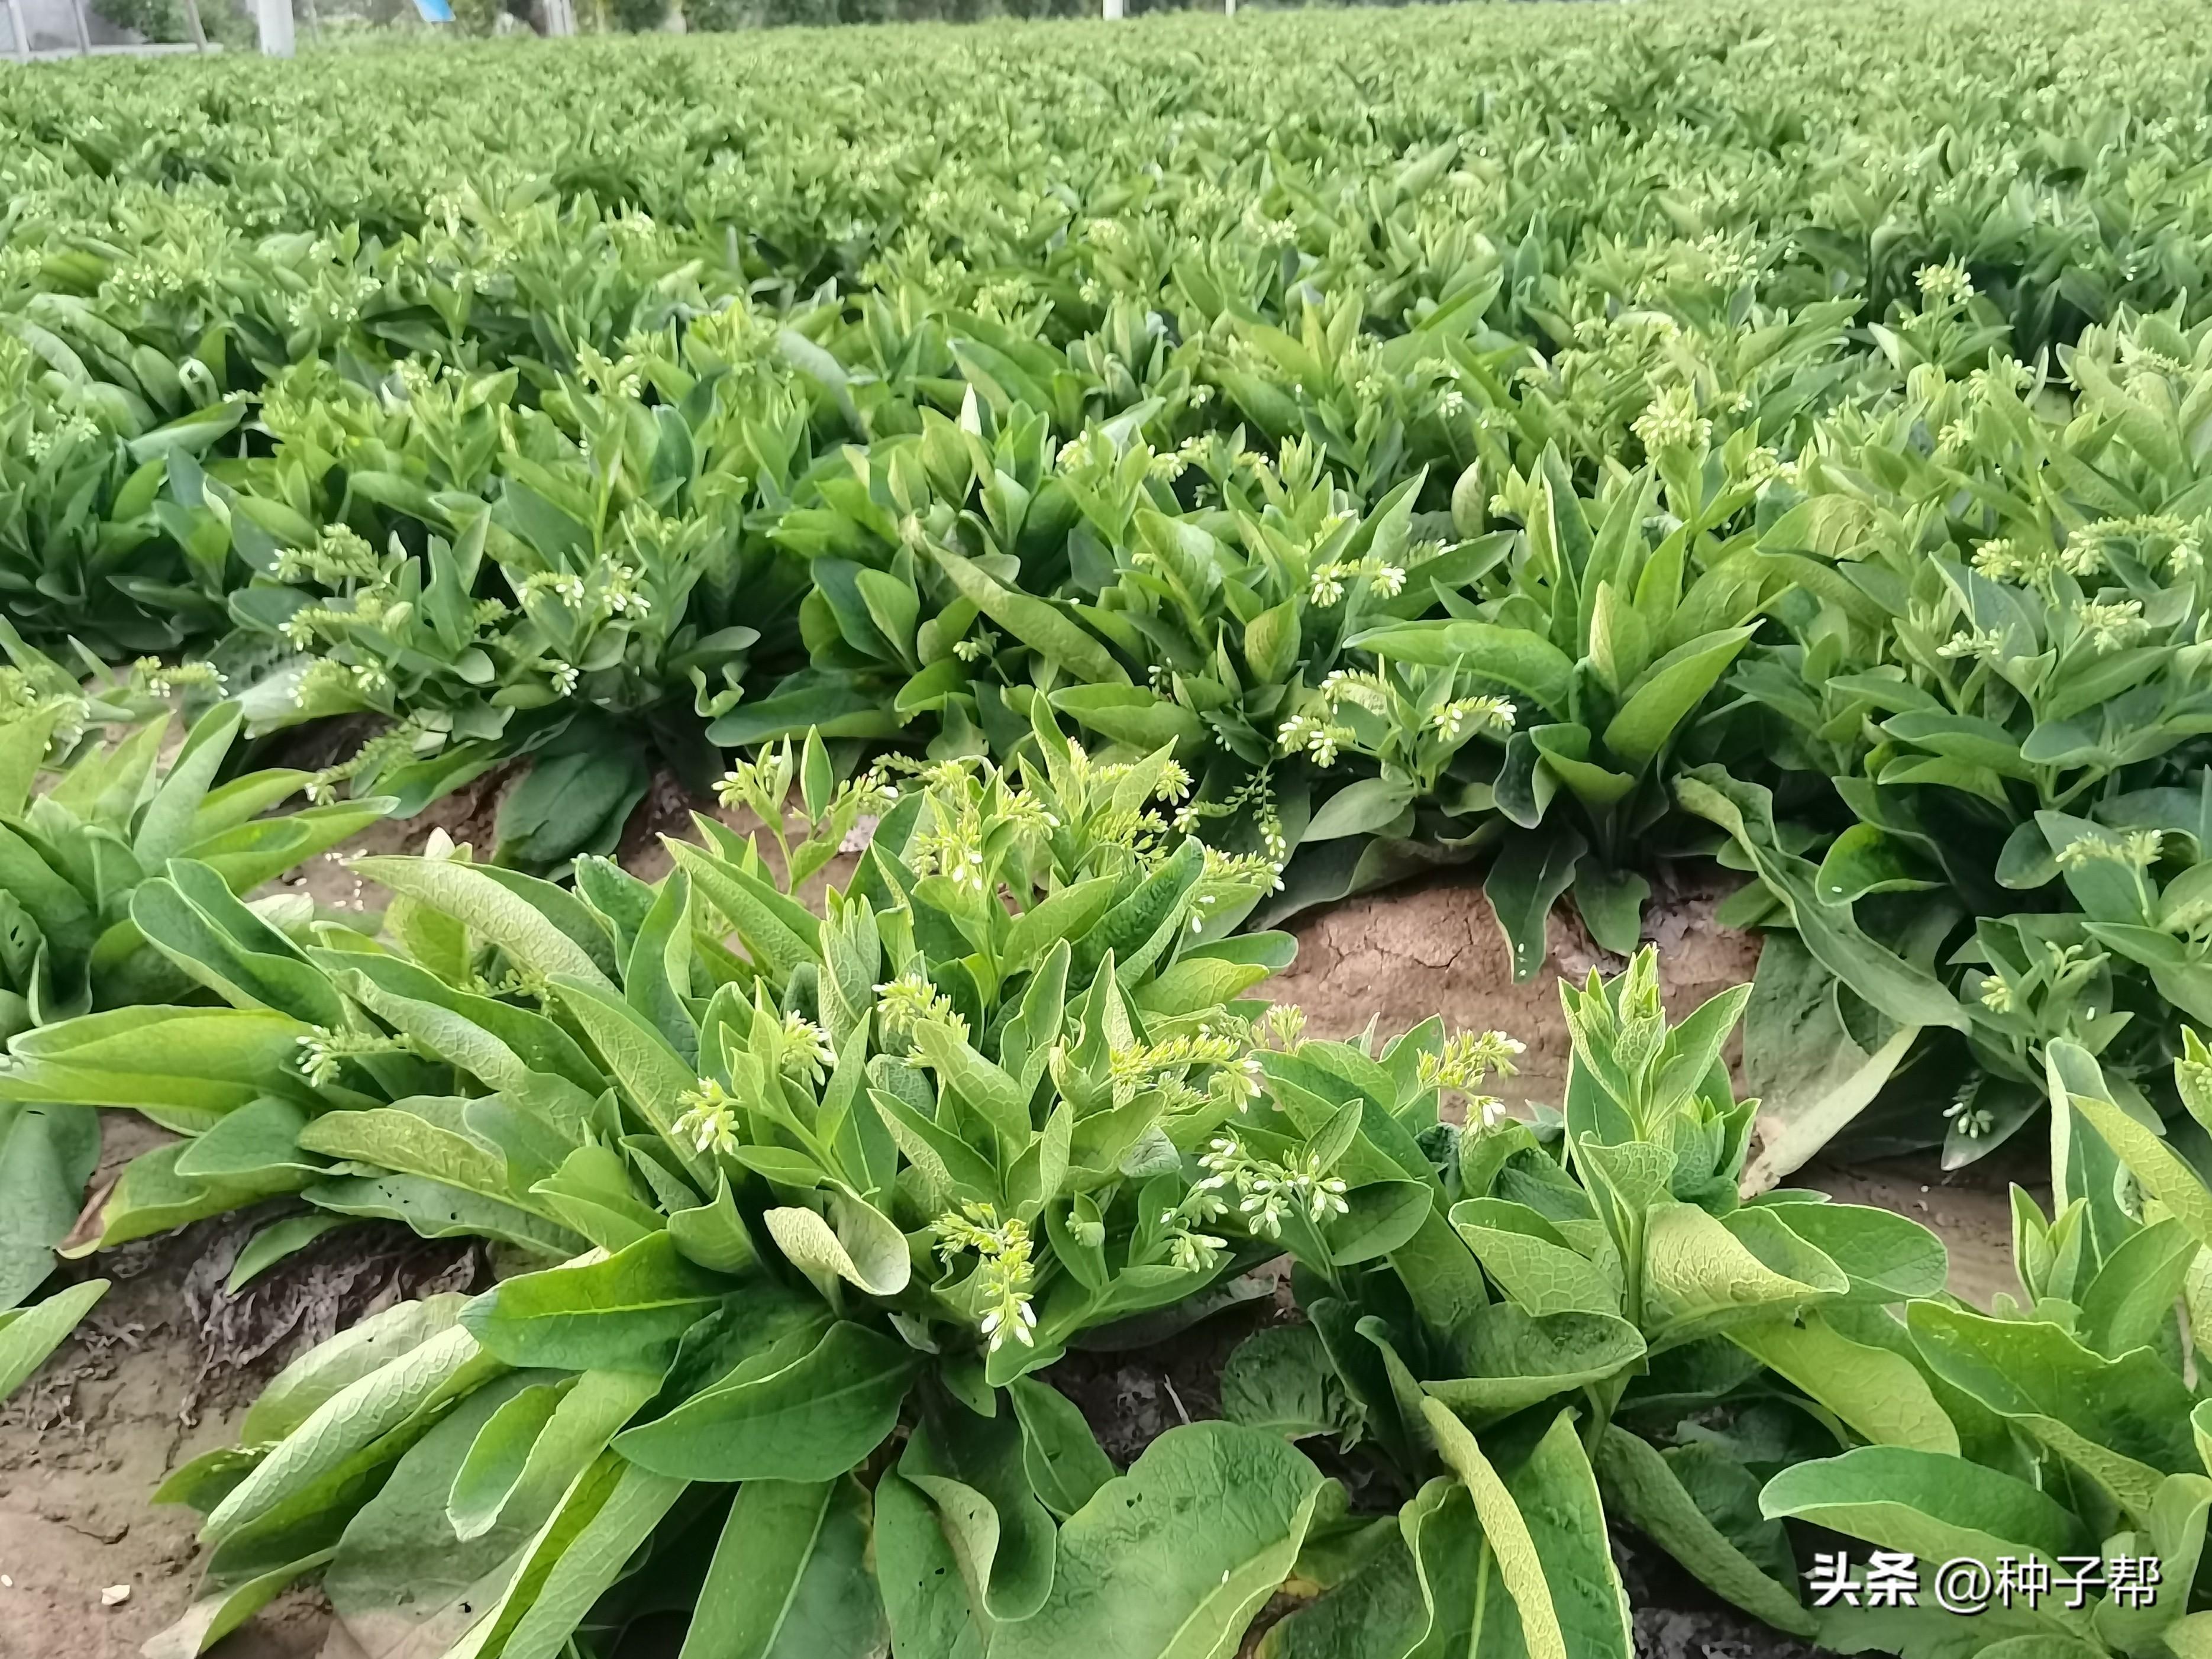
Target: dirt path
{"x": 80, "y": 1447}
{"x": 160, "y": 1372}
{"x": 1400, "y": 954}
{"x": 166, "y": 1364}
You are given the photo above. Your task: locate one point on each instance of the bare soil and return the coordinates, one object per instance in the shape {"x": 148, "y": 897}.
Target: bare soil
{"x": 1396, "y": 956}
{"x": 166, "y": 1364}
{"x": 160, "y": 1372}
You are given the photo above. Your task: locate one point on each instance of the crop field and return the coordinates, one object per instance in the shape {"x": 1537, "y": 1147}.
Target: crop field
{"x": 1065, "y": 502}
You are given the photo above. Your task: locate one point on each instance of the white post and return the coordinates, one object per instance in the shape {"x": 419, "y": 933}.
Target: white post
{"x": 1229, "y": 8}
{"x": 560, "y": 17}
{"x": 22, "y": 33}
{"x": 275, "y": 18}
{"x": 83, "y": 28}
{"x": 193, "y": 27}
{"x": 1113, "y": 13}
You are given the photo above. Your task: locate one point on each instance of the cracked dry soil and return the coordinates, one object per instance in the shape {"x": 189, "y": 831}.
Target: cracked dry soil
{"x": 167, "y": 1364}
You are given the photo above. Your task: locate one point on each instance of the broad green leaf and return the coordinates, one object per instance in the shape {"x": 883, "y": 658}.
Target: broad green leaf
{"x": 779, "y": 932}
{"x": 1280, "y": 1379}
{"x": 1931, "y": 1505}
{"x": 1888, "y": 1257}
{"x": 1130, "y": 715}
{"x": 1171, "y": 1561}
{"x": 372, "y": 1412}
{"x": 1611, "y": 904}
{"x": 1905, "y": 992}
{"x": 1523, "y": 883}
{"x": 489, "y": 909}
{"x": 657, "y": 978}
{"x": 714, "y": 1234}
{"x": 593, "y": 1192}
{"x": 625, "y": 1311}
{"x": 1514, "y": 656}
{"x": 2145, "y": 1153}
{"x": 439, "y": 1031}
{"x": 791, "y": 1577}
{"x": 496, "y": 1457}
{"x": 971, "y": 1468}
{"x": 437, "y": 1211}
{"x": 1069, "y": 914}
{"x": 28, "y": 1335}
{"x": 924, "y": 1595}
{"x": 2131, "y": 1302}
{"x": 1789, "y": 1140}
{"x": 1556, "y": 1494}
{"x": 2123, "y": 1422}
{"x": 1458, "y": 1576}
{"x": 610, "y": 1511}
{"x": 1881, "y": 1394}
{"x": 1000, "y": 1099}
{"x": 1360, "y": 808}
{"x": 1643, "y": 1490}
{"x": 653, "y": 1076}
{"x": 345, "y": 1359}
{"x": 402, "y": 1585}
{"x": 1035, "y": 623}
{"x": 253, "y": 1141}
{"x": 168, "y": 819}
{"x": 1668, "y": 693}
{"x": 1065, "y": 1465}
{"x": 1702, "y": 1274}
{"x": 204, "y": 1059}
{"x": 951, "y": 1165}
{"x": 1380, "y": 1611}
{"x": 856, "y": 1242}
{"x": 1532, "y": 1260}
{"x": 1379, "y": 1218}
{"x": 219, "y": 1612}
{"x": 500, "y": 1043}
{"x": 817, "y": 1417}
{"x": 1519, "y": 1563}
{"x": 1514, "y": 1358}
{"x": 150, "y": 1197}
{"x": 524, "y": 1457}
{"x": 273, "y": 1243}
{"x": 407, "y": 1140}
{"x": 46, "y": 1155}
{"x": 1865, "y": 859}
{"x": 1270, "y": 642}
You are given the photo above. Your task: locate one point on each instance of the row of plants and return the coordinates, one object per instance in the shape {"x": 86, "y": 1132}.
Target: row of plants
{"x": 1419, "y": 540}
{"x": 1929, "y": 655}
{"x": 85, "y": 826}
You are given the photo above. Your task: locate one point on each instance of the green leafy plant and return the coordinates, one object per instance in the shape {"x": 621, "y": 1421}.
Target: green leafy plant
{"x": 1997, "y": 663}
{"x": 1591, "y": 1323}
{"x": 28, "y": 1335}
{"x": 76, "y": 848}
{"x": 612, "y": 519}
{"x": 2081, "y": 1443}
{"x": 829, "y": 1174}
{"x": 90, "y": 546}
{"x": 1575, "y": 683}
